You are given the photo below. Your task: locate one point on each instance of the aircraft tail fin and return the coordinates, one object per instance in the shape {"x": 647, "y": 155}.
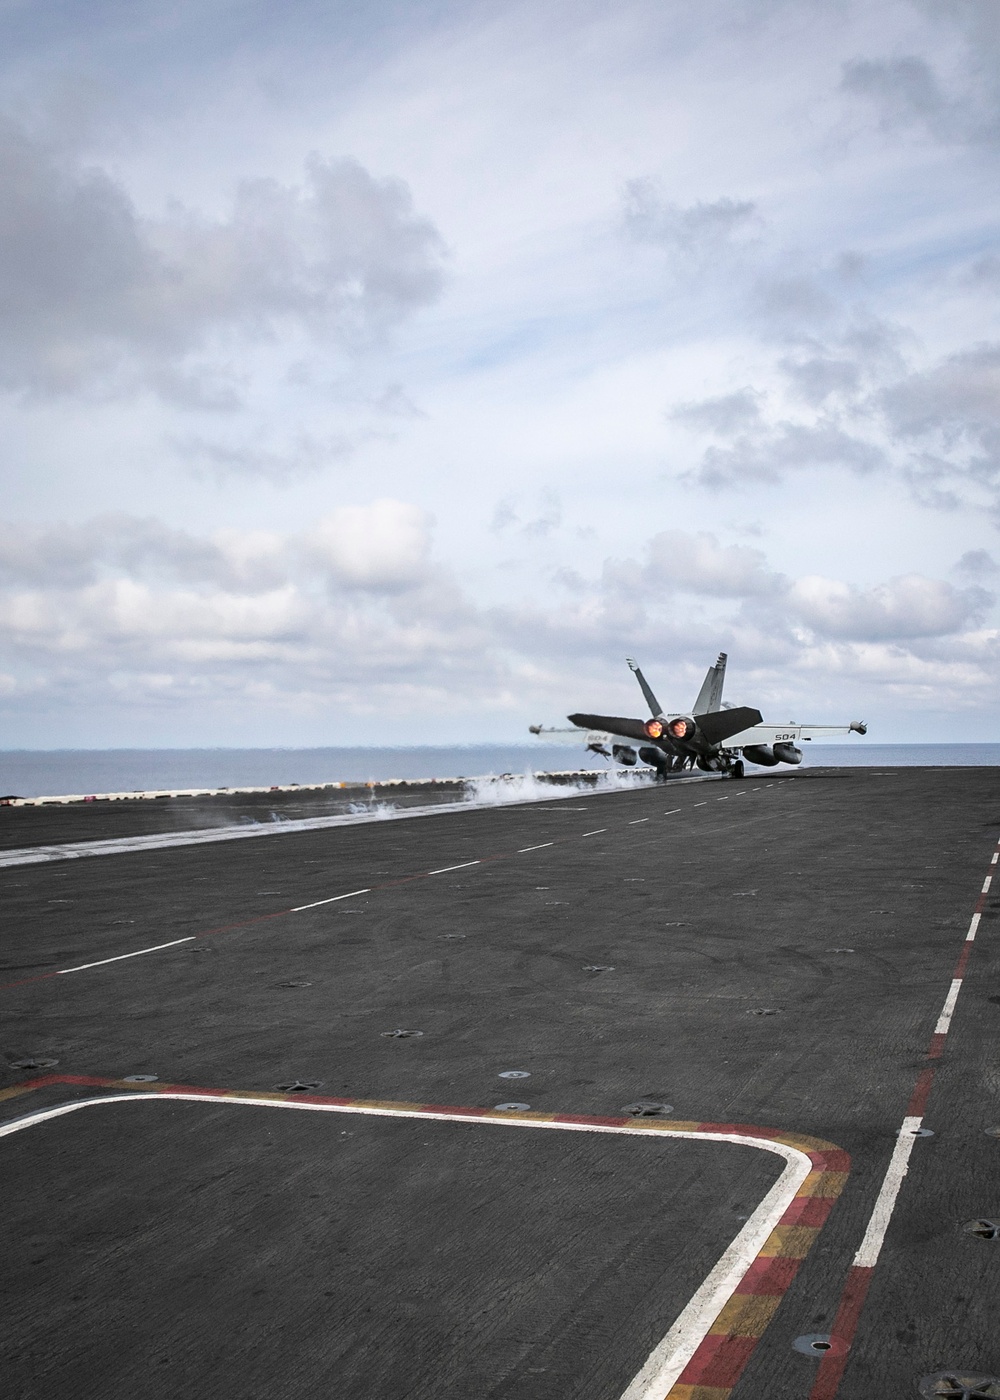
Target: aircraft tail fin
{"x": 710, "y": 695}
{"x": 651, "y": 700}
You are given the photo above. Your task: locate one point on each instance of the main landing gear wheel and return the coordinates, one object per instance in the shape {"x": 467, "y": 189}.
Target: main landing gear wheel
{"x": 736, "y": 771}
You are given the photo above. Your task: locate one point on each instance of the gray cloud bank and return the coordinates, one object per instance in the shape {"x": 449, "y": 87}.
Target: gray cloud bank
{"x": 93, "y": 292}
{"x": 355, "y": 615}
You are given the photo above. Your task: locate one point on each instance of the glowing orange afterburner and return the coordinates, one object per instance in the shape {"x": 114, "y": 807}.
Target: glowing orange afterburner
{"x": 653, "y": 728}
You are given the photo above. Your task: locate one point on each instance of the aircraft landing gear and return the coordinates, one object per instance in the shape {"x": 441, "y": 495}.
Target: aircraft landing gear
{"x": 736, "y": 769}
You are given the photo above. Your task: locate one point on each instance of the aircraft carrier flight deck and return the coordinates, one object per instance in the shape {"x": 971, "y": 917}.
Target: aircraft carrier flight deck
{"x": 684, "y": 1090}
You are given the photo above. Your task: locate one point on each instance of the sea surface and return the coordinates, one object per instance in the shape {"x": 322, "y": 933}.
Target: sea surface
{"x": 43, "y": 773}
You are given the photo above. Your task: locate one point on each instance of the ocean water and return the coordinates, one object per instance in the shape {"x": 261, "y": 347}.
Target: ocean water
{"x": 38, "y": 773}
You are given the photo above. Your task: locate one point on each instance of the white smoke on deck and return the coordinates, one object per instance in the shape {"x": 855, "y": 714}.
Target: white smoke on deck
{"x": 374, "y": 811}
{"x": 508, "y": 788}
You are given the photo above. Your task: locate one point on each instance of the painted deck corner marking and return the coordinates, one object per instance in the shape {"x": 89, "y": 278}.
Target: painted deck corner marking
{"x": 721, "y": 1324}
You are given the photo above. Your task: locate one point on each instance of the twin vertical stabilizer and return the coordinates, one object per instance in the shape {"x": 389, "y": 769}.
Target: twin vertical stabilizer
{"x": 710, "y": 695}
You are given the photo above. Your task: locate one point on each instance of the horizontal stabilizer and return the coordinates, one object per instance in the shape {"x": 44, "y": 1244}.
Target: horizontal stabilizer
{"x": 723, "y": 724}
{"x": 627, "y": 728}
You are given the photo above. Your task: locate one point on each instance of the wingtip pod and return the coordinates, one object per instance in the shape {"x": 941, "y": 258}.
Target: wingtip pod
{"x": 858, "y": 726}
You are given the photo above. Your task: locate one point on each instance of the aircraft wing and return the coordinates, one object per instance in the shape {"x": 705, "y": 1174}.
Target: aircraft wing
{"x": 719, "y": 726}
{"x": 569, "y": 736}
{"x": 631, "y": 729}
{"x": 789, "y": 733}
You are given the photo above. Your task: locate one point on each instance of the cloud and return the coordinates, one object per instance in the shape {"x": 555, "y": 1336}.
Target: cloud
{"x": 904, "y": 89}
{"x": 724, "y": 415}
{"x": 355, "y": 616}
{"x": 951, "y": 415}
{"x": 978, "y": 563}
{"x": 698, "y": 228}
{"x": 700, "y": 564}
{"x": 383, "y": 546}
{"x": 951, "y": 91}
{"x": 910, "y": 606}
{"x": 772, "y": 452}
{"x": 92, "y": 292}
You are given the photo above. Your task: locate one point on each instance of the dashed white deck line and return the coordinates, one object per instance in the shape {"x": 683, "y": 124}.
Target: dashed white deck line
{"x": 317, "y": 903}
{"x": 970, "y": 937}
{"x": 986, "y": 884}
{"x": 668, "y": 1359}
{"x": 332, "y": 900}
{"x": 948, "y": 1010}
{"x": 158, "y": 947}
{"x": 871, "y": 1245}
{"x": 723, "y": 799}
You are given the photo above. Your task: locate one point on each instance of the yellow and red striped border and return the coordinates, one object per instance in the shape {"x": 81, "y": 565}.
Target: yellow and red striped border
{"x": 726, "y": 1348}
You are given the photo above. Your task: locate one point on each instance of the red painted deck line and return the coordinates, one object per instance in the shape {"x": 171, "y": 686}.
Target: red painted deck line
{"x": 723, "y": 1351}
{"x": 852, "y": 1300}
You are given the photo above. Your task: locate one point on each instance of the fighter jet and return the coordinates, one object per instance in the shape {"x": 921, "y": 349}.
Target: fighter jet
{"x": 714, "y": 737}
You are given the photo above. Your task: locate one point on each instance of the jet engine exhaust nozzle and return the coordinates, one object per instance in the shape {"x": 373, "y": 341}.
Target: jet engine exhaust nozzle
{"x": 681, "y": 728}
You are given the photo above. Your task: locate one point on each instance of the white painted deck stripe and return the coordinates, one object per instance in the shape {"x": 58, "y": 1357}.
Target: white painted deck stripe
{"x": 667, "y": 1360}
{"x": 986, "y": 884}
{"x": 674, "y": 810}
{"x": 971, "y": 935}
{"x": 332, "y": 900}
{"x": 871, "y": 1245}
{"x": 638, "y": 821}
{"x": 445, "y": 868}
{"x": 948, "y": 1010}
{"x": 599, "y": 832}
{"x": 525, "y": 849}
{"x": 62, "y": 971}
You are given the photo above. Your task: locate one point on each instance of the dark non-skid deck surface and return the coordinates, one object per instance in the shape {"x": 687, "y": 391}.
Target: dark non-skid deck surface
{"x": 353, "y": 1257}
{"x": 835, "y": 900}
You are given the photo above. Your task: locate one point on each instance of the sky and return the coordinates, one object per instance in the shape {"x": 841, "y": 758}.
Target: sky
{"x": 385, "y": 372}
